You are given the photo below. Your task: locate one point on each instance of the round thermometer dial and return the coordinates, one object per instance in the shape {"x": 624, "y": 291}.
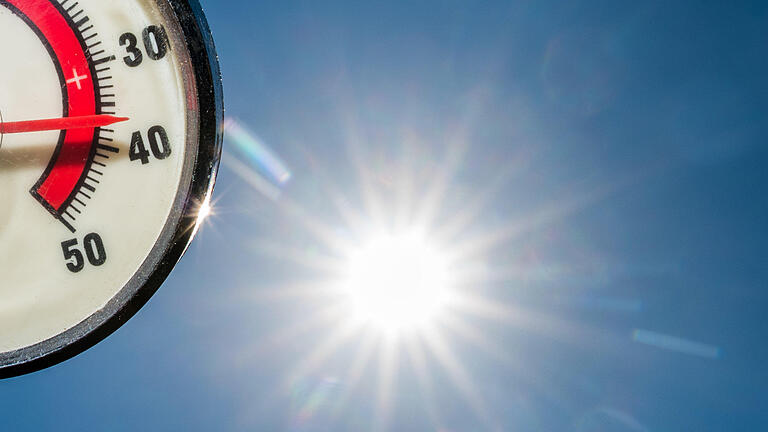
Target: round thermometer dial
{"x": 110, "y": 114}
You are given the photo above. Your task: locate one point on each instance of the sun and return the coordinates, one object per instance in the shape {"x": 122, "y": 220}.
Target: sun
{"x": 397, "y": 281}
{"x": 399, "y": 277}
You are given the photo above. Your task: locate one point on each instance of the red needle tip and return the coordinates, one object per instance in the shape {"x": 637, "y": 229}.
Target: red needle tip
{"x": 81, "y": 122}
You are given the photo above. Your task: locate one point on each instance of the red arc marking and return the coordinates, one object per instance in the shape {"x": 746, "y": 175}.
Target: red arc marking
{"x": 81, "y": 122}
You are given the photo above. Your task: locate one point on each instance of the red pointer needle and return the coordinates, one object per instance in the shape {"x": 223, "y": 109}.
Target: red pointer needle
{"x": 60, "y": 124}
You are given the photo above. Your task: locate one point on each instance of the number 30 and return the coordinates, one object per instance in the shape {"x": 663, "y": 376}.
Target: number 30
{"x": 155, "y": 42}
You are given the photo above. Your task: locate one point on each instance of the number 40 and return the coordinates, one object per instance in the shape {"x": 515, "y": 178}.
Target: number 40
{"x": 158, "y": 143}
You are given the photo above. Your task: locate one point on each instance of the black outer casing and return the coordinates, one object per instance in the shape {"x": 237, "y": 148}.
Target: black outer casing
{"x": 205, "y": 63}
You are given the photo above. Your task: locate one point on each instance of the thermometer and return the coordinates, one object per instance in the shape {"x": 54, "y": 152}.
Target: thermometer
{"x": 110, "y": 139}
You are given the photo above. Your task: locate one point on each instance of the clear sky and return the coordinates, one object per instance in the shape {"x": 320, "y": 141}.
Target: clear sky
{"x": 595, "y": 168}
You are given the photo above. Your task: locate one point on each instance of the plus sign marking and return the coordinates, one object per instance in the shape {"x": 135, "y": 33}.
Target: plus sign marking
{"x": 77, "y": 78}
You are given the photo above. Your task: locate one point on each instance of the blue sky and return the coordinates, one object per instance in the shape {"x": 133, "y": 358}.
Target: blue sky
{"x": 603, "y": 162}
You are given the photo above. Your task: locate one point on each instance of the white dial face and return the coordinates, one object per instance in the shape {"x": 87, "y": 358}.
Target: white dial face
{"x": 98, "y": 139}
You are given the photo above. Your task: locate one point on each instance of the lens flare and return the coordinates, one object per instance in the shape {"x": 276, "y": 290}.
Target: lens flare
{"x": 254, "y": 161}
{"x": 254, "y": 151}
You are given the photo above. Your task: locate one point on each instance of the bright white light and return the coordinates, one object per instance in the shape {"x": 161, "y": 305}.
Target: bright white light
{"x": 204, "y": 211}
{"x": 397, "y": 282}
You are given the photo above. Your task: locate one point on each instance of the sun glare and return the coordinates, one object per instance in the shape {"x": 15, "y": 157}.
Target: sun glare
{"x": 204, "y": 211}
{"x": 397, "y": 282}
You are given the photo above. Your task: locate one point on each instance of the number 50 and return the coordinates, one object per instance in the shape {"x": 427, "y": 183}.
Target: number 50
{"x": 94, "y": 251}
